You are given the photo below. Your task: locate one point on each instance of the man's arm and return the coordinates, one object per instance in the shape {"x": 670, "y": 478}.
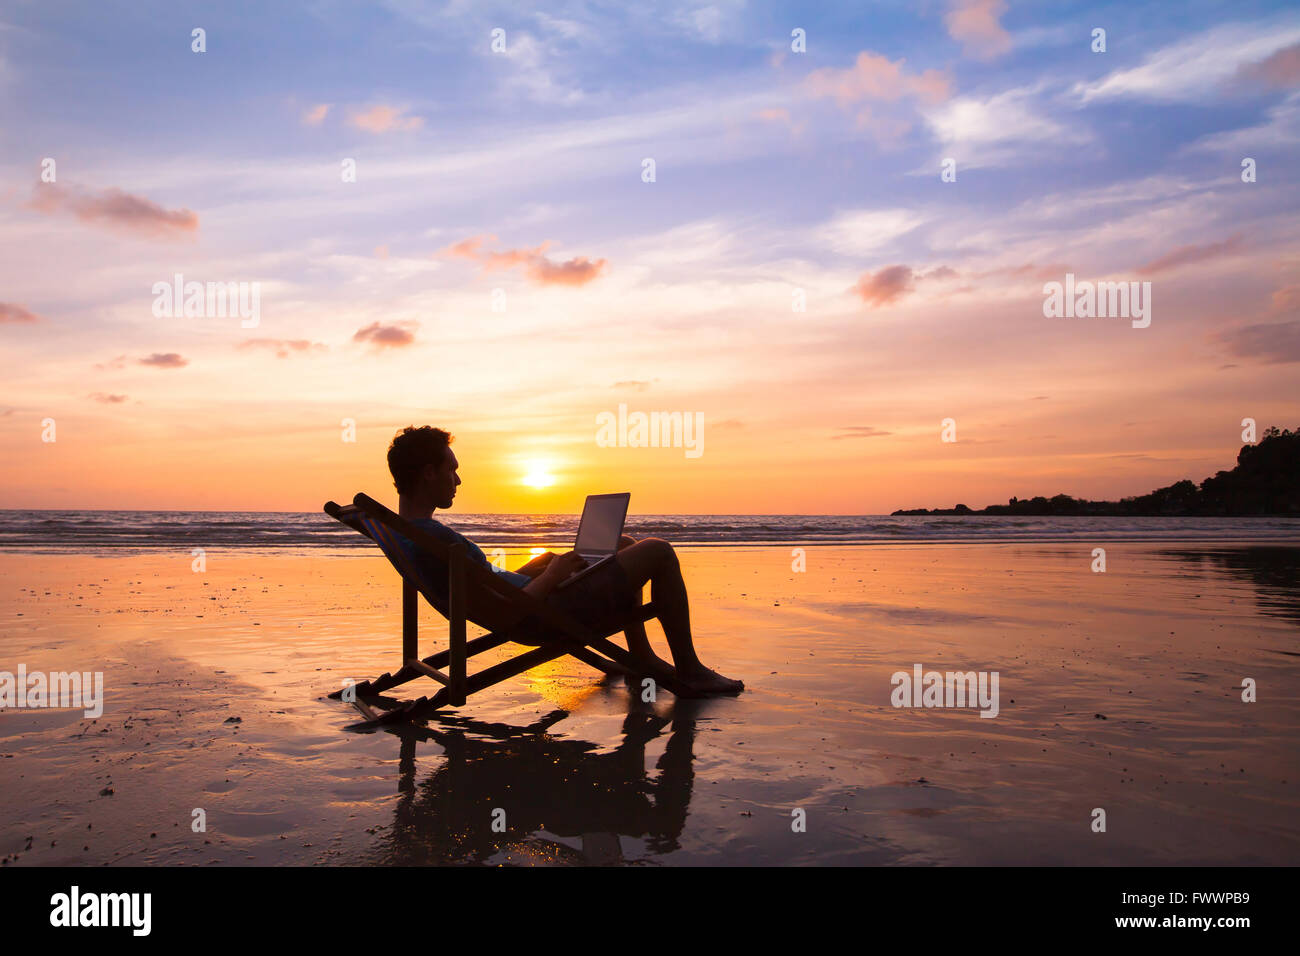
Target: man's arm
{"x": 557, "y": 569}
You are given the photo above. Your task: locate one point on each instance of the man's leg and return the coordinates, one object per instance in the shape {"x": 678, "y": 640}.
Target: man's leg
{"x": 654, "y": 560}
{"x": 638, "y": 644}
{"x": 537, "y": 565}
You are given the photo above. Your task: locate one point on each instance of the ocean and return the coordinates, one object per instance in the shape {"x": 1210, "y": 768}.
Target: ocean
{"x": 150, "y": 531}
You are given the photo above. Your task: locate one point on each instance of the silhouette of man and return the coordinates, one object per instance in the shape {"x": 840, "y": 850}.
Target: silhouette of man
{"x": 424, "y": 470}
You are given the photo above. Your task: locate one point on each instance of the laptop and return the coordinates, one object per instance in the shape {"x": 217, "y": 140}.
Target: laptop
{"x": 599, "y": 532}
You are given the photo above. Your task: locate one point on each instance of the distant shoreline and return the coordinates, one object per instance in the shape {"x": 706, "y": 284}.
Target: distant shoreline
{"x": 1264, "y": 483}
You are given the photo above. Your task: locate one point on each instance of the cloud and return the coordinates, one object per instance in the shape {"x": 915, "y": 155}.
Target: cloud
{"x": 942, "y": 272}
{"x": 384, "y": 119}
{"x": 999, "y": 130}
{"x": 1286, "y": 299}
{"x": 974, "y": 24}
{"x": 1029, "y": 269}
{"x": 282, "y": 347}
{"x": 115, "y": 209}
{"x": 888, "y": 130}
{"x": 1281, "y": 129}
{"x": 710, "y": 22}
{"x": 165, "y": 360}
{"x": 1280, "y": 69}
{"x": 860, "y": 431}
{"x": 11, "y": 313}
{"x": 860, "y": 232}
{"x": 1196, "y": 67}
{"x": 532, "y": 77}
{"x": 576, "y": 271}
{"x": 316, "y": 115}
{"x": 886, "y": 286}
{"x": 397, "y": 335}
{"x": 782, "y": 116}
{"x": 640, "y": 386}
{"x": 875, "y": 77}
{"x": 107, "y": 399}
{"x": 891, "y": 284}
{"x": 1185, "y": 255}
{"x": 1271, "y": 342}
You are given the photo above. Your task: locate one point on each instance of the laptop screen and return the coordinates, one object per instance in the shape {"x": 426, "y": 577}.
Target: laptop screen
{"x": 602, "y": 524}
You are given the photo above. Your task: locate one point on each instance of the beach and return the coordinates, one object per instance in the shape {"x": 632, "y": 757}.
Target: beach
{"x": 1120, "y": 691}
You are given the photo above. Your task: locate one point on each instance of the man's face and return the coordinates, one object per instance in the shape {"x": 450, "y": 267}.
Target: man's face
{"x": 441, "y": 480}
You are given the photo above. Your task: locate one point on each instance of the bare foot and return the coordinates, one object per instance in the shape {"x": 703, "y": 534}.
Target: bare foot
{"x": 708, "y": 681}
{"x": 644, "y": 664}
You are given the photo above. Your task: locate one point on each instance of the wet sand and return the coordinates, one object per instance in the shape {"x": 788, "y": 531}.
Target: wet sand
{"x": 1119, "y": 691}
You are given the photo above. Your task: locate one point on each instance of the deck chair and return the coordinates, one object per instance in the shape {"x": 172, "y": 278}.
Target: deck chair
{"x": 476, "y": 594}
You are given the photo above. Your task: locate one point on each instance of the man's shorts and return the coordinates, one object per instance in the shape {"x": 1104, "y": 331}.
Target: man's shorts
{"x": 603, "y": 600}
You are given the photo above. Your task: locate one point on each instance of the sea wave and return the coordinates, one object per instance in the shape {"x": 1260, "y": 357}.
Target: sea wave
{"x": 114, "y": 531}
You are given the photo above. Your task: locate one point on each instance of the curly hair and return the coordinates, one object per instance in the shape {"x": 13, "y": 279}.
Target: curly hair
{"x": 411, "y": 450}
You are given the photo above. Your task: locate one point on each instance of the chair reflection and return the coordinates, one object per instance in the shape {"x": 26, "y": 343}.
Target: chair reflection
{"x": 502, "y": 793}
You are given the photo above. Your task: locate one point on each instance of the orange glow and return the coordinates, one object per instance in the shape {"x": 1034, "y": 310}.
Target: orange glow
{"x": 538, "y": 474}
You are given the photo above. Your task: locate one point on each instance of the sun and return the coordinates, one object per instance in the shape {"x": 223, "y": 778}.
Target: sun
{"x": 537, "y": 474}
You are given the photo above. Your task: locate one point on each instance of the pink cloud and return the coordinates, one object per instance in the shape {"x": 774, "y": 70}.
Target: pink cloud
{"x": 889, "y": 130}
{"x": 114, "y": 208}
{"x": 779, "y": 115}
{"x": 397, "y": 335}
{"x": 1270, "y": 342}
{"x": 974, "y": 24}
{"x": 282, "y": 347}
{"x": 466, "y": 248}
{"x": 886, "y": 286}
{"x": 1185, "y": 255}
{"x": 942, "y": 272}
{"x": 860, "y": 431}
{"x": 1286, "y": 299}
{"x": 165, "y": 360}
{"x": 875, "y": 77}
{"x": 575, "y": 272}
{"x": 107, "y": 399}
{"x": 10, "y": 312}
{"x": 1280, "y": 69}
{"x": 497, "y": 261}
{"x": 316, "y": 115}
{"x": 384, "y": 119}
{"x": 1051, "y": 271}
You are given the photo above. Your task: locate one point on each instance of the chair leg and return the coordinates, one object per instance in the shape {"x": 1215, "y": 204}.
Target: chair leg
{"x": 588, "y": 656}
{"x": 661, "y": 673}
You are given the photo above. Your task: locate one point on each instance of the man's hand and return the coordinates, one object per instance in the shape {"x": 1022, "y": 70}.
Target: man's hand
{"x": 564, "y": 566}
{"x": 556, "y": 571}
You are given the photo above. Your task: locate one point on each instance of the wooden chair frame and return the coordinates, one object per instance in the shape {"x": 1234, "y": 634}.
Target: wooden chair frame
{"x": 479, "y": 595}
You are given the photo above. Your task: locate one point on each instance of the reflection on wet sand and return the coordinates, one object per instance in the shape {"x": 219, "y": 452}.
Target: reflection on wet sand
{"x": 1273, "y": 570}
{"x": 503, "y": 793}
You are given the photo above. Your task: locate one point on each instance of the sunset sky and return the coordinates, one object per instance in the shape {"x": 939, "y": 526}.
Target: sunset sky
{"x": 522, "y": 171}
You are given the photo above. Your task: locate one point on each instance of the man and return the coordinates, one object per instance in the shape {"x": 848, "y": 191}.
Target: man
{"x": 425, "y": 469}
